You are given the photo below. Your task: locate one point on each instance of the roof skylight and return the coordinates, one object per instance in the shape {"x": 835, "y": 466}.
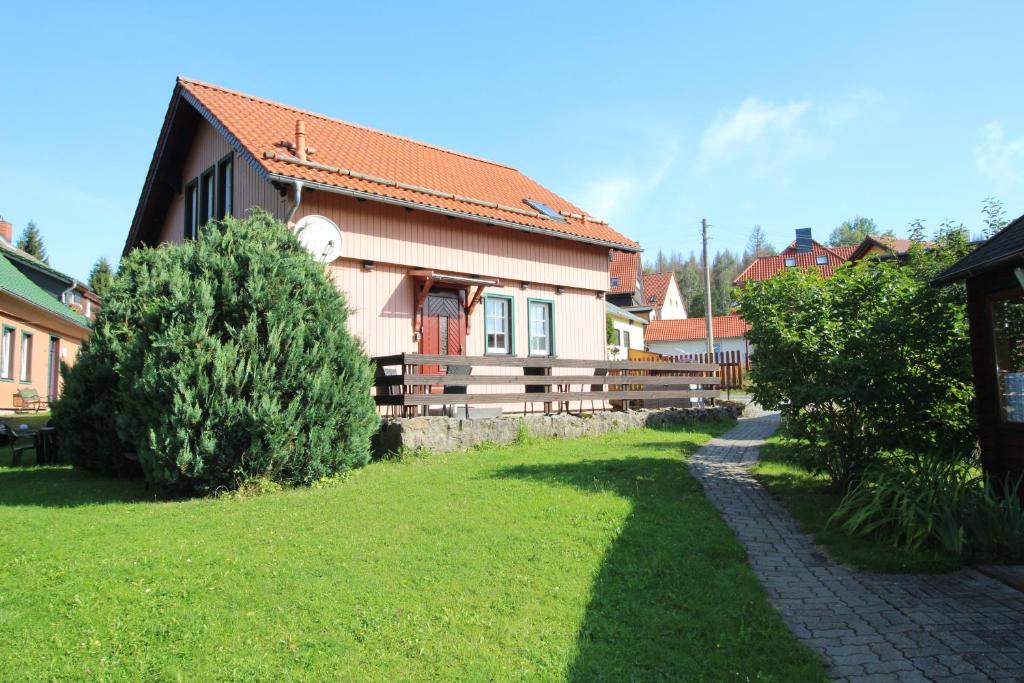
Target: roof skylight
{"x": 544, "y": 209}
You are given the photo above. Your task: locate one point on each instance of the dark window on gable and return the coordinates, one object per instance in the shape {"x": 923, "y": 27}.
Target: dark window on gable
{"x": 207, "y": 195}
{"x": 615, "y": 282}
{"x": 225, "y": 187}
{"x": 191, "y": 209}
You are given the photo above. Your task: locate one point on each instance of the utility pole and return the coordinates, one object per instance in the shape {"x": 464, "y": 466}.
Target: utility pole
{"x": 707, "y": 294}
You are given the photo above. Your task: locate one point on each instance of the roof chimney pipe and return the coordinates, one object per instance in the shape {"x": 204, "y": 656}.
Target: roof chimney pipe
{"x": 6, "y": 230}
{"x": 804, "y": 241}
{"x": 300, "y": 139}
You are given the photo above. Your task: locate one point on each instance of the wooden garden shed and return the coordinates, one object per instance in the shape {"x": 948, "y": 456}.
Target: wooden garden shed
{"x": 994, "y": 275}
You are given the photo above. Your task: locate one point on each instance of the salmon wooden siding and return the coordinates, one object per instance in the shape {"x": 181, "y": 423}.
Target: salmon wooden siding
{"x": 248, "y": 188}
{"x": 419, "y": 239}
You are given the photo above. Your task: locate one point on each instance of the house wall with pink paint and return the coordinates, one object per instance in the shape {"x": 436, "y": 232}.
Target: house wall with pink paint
{"x": 382, "y": 243}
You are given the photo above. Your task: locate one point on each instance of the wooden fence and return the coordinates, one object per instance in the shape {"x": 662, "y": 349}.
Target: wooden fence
{"x": 732, "y": 363}
{"x": 413, "y": 381}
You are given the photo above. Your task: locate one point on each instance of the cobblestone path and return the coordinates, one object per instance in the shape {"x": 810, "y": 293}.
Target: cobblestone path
{"x": 962, "y": 626}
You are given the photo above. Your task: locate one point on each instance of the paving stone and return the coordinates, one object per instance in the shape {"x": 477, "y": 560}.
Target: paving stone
{"x": 867, "y": 627}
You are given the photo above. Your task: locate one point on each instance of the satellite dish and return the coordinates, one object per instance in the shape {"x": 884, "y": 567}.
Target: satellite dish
{"x": 320, "y": 236}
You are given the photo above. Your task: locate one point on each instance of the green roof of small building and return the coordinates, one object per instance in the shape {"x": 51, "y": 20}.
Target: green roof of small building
{"x": 14, "y": 282}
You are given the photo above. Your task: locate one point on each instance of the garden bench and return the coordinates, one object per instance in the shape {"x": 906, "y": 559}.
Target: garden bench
{"x": 28, "y": 399}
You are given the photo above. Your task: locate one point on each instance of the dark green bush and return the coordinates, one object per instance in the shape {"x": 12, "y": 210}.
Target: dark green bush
{"x": 220, "y": 361}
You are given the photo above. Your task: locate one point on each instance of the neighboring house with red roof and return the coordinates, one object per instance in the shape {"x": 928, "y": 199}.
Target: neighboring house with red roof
{"x": 662, "y": 294}
{"x": 883, "y": 246}
{"x": 626, "y": 281}
{"x": 806, "y": 254}
{"x": 689, "y": 336}
{"x": 441, "y": 251}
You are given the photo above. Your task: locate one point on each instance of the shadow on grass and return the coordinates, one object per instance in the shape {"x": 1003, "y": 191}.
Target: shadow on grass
{"x": 62, "y": 486}
{"x": 674, "y": 598}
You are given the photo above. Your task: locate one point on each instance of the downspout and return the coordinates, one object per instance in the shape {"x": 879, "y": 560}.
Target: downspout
{"x": 295, "y": 203}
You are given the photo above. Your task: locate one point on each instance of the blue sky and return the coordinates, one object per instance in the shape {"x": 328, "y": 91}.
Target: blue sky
{"x": 652, "y": 116}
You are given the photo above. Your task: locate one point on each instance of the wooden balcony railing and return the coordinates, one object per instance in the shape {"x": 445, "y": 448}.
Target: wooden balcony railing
{"x": 414, "y": 379}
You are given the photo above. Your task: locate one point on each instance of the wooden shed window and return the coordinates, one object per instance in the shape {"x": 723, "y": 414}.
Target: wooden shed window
{"x": 1008, "y": 333}
{"x": 225, "y": 187}
{"x": 191, "y": 209}
{"x": 207, "y": 196}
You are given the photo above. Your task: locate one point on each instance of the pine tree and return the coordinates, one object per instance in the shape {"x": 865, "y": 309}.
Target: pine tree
{"x": 101, "y": 277}
{"x": 31, "y": 241}
{"x": 757, "y": 245}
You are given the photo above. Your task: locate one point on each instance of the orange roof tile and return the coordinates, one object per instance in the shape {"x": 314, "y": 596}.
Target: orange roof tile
{"x": 346, "y": 154}
{"x": 723, "y": 326}
{"x": 764, "y": 267}
{"x": 625, "y": 266}
{"x": 656, "y": 286}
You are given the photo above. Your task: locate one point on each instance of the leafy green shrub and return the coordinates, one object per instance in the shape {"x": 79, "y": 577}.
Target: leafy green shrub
{"x": 218, "y": 362}
{"x": 938, "y": 502}
{"x": 871, "y": 360}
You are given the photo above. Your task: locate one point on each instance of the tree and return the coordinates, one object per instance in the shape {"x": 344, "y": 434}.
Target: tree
{"x": 757, "y": 245}
{"x": 220, "y": 361}
{"x": 100, "y": 277}
{"x": 854, "y": 231}
{"x": 724, "y": 270}
{"x": 873, "y": 360}
{"x": 31, "y": 241}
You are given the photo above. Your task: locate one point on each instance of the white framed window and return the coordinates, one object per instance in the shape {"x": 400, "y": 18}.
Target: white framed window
{"x": 790, "y": 262}
{"x": 821, "y": 260}
{"x": 541, "y": 322}
{"x": 624, "y": 338}
{"x": 7, "y": 354}
{"x": 498, "y": 325}
{"x": 26, "y": 357}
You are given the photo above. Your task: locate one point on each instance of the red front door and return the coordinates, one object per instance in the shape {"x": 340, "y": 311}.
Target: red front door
{"x": 444, "y": 328}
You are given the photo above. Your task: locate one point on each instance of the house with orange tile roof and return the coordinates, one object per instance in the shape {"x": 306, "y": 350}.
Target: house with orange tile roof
{"x": 804, "y": 253}
{"x": 884, "y": 246}
{"x": 437, "y": 251}
{"x": 662, "y": 294}
{"x": 626, "y": 281}
{"x": 689, "y": 336}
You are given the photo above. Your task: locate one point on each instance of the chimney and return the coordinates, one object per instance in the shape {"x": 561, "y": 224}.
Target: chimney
{"x": 804, "y": 241}
{"x": 300, "y": 139}
{"x": 5, "y": 230}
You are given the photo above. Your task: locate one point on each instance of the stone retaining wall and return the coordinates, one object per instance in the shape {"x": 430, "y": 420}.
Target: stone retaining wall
{"x": 443, "y": 434}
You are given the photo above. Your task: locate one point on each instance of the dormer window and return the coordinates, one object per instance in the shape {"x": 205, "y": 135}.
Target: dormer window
{"x": 790, "y": 262}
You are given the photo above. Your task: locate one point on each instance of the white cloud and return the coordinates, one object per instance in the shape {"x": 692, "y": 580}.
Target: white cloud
{"x": 605, "y": 197}
{"x": 1000, "y": 159}
{"x": 767, "y": 138}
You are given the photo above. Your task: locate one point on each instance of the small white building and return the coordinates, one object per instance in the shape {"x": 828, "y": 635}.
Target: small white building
{"x": 661, "y": 292}
{"x": 628, "y": 332}
{"x": 688, "y": 337}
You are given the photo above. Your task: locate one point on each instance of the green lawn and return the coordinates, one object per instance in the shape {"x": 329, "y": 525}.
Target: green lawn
{"x": 808, "y": 499}
{"x": 584, "y": 560}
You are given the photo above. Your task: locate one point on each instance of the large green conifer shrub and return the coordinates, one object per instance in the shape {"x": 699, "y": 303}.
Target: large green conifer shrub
{"x": 220, "y": 361}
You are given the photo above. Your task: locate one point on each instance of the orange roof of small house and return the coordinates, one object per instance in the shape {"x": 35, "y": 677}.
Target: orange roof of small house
{"x": 356, "y": 160}
{"x": 625, "y": 266}
{"x": 656, "y": 287}
{"x": 723, "y": 326}
{"x": 764, "y": 267}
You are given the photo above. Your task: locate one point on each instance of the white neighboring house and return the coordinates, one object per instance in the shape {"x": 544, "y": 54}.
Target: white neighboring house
{"x": 629, "y": 332}
{"x": 687, "y": 337}
{"x": 661, "y": 292}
